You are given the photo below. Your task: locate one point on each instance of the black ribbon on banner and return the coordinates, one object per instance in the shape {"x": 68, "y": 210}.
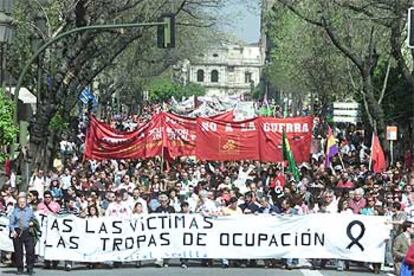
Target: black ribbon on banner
{"x": 355, "y": 240}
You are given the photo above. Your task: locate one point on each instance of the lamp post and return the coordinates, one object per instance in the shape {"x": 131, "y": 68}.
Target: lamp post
{"x": 5, "y": 32}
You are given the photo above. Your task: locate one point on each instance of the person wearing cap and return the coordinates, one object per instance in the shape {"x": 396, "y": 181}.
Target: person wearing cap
{"x": 20, "y": 222}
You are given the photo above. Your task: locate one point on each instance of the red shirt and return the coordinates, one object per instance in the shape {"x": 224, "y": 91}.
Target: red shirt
{"x": 347, "y": 184}
{"x": 409, "y": 257}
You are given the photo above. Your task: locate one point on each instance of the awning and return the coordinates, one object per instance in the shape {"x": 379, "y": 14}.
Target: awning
{"x": 25, "y": 96}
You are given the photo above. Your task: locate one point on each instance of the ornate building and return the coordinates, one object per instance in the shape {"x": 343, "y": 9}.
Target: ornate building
{"x": 227, "y": 70}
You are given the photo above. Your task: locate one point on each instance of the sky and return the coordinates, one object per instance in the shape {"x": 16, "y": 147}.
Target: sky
{"x": 243, "y": 20}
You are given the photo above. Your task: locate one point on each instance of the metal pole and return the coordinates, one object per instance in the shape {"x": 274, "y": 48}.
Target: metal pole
{"x": 392, "y": 151}
{"x": 57, "y": 38}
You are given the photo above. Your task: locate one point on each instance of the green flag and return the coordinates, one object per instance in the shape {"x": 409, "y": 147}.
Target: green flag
{"x": 288, "y": 155}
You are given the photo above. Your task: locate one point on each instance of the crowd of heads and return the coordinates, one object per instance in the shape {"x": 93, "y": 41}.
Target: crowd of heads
{"x": 126, "y": 187}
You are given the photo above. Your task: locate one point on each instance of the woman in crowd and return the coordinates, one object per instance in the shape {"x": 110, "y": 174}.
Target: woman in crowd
{"x": 230, "y": 188}
{"x": 56, "y": 190}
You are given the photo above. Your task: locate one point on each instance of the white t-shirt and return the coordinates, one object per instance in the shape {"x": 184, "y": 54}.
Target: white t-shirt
{"x": 65, "y": 179}
{"x": 120, "y": 210}
{"x": 38, "y": 184}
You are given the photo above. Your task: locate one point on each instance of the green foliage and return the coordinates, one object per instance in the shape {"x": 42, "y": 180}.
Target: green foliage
{"x": 257, "y": 93}
{"x": 303, "y": 61}
{"x": 58, "y": 123}
{"x": 162, "y": 89}
{"x": 8, "y": 131}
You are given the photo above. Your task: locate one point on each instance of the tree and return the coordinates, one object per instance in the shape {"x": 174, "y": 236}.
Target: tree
{"x": 8, "y": 131}
{"x": 162, "y": 89}
{"x": 301, "y": 62}
{"x": 360, "y": 41}
{"x": 73, "y": 63}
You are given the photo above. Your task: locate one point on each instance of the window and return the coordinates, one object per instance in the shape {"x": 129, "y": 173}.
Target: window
{"x": 214, "y": 76}
{"x": 230, "y": 68}
{"x": 247, "y": 77}
{"x": 200, "y": 75}
{"x": 215, "y": 55}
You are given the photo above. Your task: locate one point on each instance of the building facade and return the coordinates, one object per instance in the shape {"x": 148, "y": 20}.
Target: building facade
{"x": 227, "y": 70}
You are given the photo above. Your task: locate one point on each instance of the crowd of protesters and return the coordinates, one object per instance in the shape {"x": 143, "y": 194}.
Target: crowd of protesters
{"x": 123, "y": 188}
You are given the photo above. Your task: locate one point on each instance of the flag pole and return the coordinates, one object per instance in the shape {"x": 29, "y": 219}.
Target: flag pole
{"x": 340, "y": 159}
{"x": 370, "y": 158}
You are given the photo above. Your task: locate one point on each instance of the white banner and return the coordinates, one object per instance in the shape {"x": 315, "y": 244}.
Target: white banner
{"x": 351, "y": 237}
{"x": 244, "y": 111}
{"x": 6, "y": 244}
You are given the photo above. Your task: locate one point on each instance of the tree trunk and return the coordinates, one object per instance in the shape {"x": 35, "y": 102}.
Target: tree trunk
{"x": 39, "y": 133}
{"x": 375, "y": 109}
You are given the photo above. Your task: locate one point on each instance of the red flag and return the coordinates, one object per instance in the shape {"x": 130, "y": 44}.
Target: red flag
{"x": 279, "y": 180}
{"x": 377, "y": 155}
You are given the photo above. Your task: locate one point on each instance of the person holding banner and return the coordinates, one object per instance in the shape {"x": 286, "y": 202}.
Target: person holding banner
{"x": 164, "y": 208}
{"x": 48, "y": 206}
{"x": 21, "y": 219}
{"x": 401, "y": 244}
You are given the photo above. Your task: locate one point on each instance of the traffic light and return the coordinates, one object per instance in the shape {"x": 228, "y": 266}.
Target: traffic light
{"x": 410, "y": 28}
{"x": 166, "y": 32}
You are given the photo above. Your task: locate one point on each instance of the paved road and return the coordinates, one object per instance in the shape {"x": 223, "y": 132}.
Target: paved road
{"x": 174, "y": 269}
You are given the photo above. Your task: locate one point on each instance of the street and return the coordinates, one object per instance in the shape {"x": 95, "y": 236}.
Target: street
{"x": 195, "y": 269}
{"x": 152, "y": 271}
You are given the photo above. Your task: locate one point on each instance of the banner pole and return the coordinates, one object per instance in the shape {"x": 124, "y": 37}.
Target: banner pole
{"x": 162, "y": 159}
{"x": 370, "y": 158}
{"x": 340, "y": 159}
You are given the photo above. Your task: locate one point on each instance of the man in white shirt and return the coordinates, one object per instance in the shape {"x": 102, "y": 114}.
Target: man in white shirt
{"x": 136, "y": 197}
{"x": 244, "y": 172}
{"x": 65, "y": 179}
{"x": 119, "y": 208}
{"x": 207, "y": 207}
{"x": 126, "y": 184}
{"x": 38, "y": 183}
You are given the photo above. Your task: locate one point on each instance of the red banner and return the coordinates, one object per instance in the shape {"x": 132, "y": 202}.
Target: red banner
{"x": 180, "y": 135}
{"x": 298, "y": 131}
{"x": 226, "y": 116}
{"x": 219, "y": 140}
{"x": 102, "y": 142}
{"x": 207, "y": 138}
